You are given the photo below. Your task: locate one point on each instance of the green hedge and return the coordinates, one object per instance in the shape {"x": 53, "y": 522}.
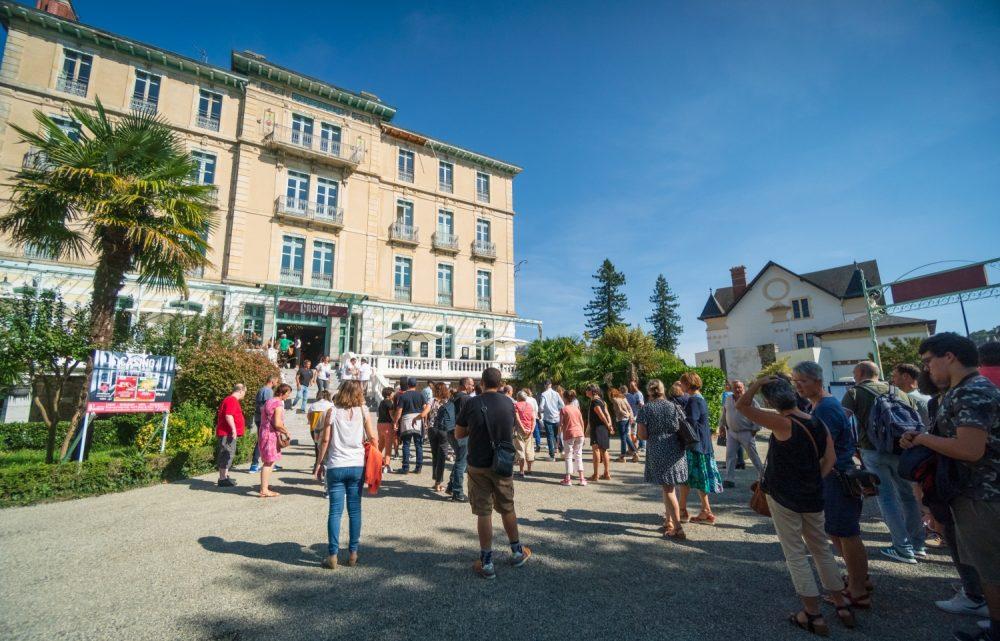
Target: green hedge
{"x": 104, "y": 472}
{"x": 108, "y": 433}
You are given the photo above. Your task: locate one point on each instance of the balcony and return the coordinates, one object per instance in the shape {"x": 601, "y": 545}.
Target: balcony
{"x": 34, "y": 252}
{"x": 143, "y": 106}
{"x": 484, "y": 303}
{"x": 35, "y": 160}
{"x": 483, "y": 196}
{"x": 403, "y": 293}
{"x": 447, "y": 368}
{"x": 445, "y": 299}
{"x": 291, "y": 276}
{"x": 70, "y": 85}
{"x": 313, "y": 147}
{"x": 446, "y": 187}
{"x": 403, "y": 234}
{"x": 444, "y": 242}
{"x": 207, "y": 122}
{"x": 322, "y": 281}
{"x": 307, "y": 214}
{"x": 406, "y": 175}
{"x": 484, "y": 249}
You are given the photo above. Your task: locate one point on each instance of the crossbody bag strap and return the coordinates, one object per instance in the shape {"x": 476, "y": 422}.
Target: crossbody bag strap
{"x": 489, "y": 425}
{"x": 809, "y": 434}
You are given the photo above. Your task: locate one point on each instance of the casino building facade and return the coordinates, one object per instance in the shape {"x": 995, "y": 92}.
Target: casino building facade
{"x": 334, "y": 224}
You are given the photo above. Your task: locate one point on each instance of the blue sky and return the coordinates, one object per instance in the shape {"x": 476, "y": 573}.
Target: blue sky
{"x": 673, "y": 137}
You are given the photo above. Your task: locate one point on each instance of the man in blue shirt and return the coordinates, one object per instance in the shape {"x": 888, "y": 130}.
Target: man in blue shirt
{"x": 635, "y": 401}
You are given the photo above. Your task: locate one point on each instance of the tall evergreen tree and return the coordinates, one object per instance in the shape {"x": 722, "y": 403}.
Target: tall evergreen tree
{"x": 609, "y": 302}
{"x": 665, "y": 319}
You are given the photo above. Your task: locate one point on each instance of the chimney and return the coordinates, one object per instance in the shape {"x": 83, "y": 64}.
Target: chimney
{"x": 61, "y": 8}
{"x": 739, "y": 276}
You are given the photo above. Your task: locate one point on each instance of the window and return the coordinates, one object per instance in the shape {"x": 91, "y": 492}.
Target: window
{"x": 322, "y": 267}
{"x": 405, "y": 165}
{"x": 329, "y": 139}
{"x": 444, "y": 347}
{"x": 293, "y": 252}
{"x": 400, "y": 348}
{"x": 69, "y": 127}
{"x": 402, "y": 275}
{"x": 297, "y": 194}
{"x": 445, "y": 285}
{"x": 482, "y": 187}
{"x": 446, "y": 222}
{"x": 805, "y": 340}
{"x": 482, "y": 231}
{"x": 446, "y": 176}
{"x": 209, "y": 109}
{"x": 146, "y": 94}
{"x": 404, "y": 213}
{"x": 253, "y": 321}
{"x": 327, "y": 192}
{"x": 800, "y": 308}
{"x": 424, "y": 350}
{"x": 75, "y": 75}
{"x": 302, "y": 130}
{"x": 483, "y": 353}
{"x": 204, "y": 173}
{"x": 483, "y": 290}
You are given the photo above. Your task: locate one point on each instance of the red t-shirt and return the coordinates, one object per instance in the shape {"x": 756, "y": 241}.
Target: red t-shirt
{"x": 232, "y": 407}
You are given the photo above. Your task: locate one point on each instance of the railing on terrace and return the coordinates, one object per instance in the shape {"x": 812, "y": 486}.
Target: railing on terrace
{"x": 483, "y": 303}
{"x": 323, "y": 281}
{"x": 35, "y": 160}
{"x": 207, "y": 122}
{"x": 70, "y": 85}
{"x": 318, "y": 145}
{"x": 446, "y": 187}
{"x": 406, "y": 175}
{"x": 444, "y": 241}
{"x": 291, "y": 276}
{"x": 299, "y": 208}
{"x": 404, "y": 233}
{"x": 391, "y": 365}
{"x": 445, "y": 300}
{"x": 403, "y": 293}
{"x": 484, "y": 249}
{"x": 142, "y": 105}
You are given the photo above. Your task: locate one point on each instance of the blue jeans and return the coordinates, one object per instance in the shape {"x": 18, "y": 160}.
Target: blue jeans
{"x": 461, "y": 448}
{"x": 303, "y": 396}
{"x": 538, "y": 434}
{"x": 623, "y": 434}
{"x": 899, "y": 506}
{"x": 344, "y": 483}
{"x": 552, "y": 438}
{"x": 255, "y": 462}
{"x": 417, "y": 439}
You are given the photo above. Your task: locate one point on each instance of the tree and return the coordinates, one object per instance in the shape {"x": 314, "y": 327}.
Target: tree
{"x": 123, "y": 189}
{"x": 626, "y": 351}
{"x": 665, "y": 320}
{"x": 609, "y": 302}
{"x": 896, "y": 351}
{"x": 49, "y": 342}
{"x": 558, "y": 359}
{"x": 983, "y": 336}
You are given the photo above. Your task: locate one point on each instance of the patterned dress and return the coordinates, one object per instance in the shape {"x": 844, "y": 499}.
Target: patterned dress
{"x": 665, "y": 460}
{"x": 703, "y": 472}
{"x": 267, "y": 437}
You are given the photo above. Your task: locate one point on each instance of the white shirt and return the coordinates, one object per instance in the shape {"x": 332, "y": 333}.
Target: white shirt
{"x": 365, "y": 372}
{"x": 323, "y": 372}
{"x": 318, "y": 406}
{"x": 551, "y": 404}
{"x": 347, "y": 438}
{"x": 534, "y": 405}
{"x": 272, "y": 354}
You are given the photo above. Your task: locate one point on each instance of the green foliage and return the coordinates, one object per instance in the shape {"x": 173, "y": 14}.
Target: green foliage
{"x": 557, "y": 359}
{"x": 983, "y": 336}
{"x": 117, "y": 431}
{"x": 27, "y": 483}
{"x": 779, "y": 366}
{"x": 177, "y": 334}
{"x": 207, "y": 375}
{"x": 609, "y": 303}
{"x": 191, "y": 426}
{"x": 896, "y": 351}
{"x": 713, "y": 383}
{"x": 665, "y": 320}
{"x": 623, "y": 353}
{"x": 46, "y": 341}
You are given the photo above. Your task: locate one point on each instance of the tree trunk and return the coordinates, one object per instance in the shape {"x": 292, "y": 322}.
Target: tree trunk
{"x": 50, "y": 424}
{"x": 109, "y": 278}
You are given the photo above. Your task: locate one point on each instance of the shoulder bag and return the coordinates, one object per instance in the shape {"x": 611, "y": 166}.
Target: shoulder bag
{"x": 856, "y": 482}
{"x": 503, "y": 451}
{"x": 686, "y": 434}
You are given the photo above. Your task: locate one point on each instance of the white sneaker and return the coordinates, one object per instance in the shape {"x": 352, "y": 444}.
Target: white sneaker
{"x": 896, "y": 556}
{"x": 961, "y": 604}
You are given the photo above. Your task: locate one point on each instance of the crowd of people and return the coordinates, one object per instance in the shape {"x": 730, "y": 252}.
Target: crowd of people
{"x": 927, "y": 447}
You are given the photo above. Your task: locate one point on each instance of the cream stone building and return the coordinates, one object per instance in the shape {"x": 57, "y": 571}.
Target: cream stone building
{"x": 333, "y": 224}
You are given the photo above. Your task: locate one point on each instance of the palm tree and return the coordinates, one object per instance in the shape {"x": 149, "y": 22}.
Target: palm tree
{"x": 123, "y": 188}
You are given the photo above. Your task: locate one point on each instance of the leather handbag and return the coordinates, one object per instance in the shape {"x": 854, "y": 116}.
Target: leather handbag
{"x": 686, "y": 434}
{"x": 283, "y": 441}
{"x": 758, "y": 499}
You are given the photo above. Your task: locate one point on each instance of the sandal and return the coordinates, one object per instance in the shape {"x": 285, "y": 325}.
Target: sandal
{"x": 708, "y": 519}
{"x": 606, "y": 477}
{"x": 848, "y": 620}
{"x": 592, "y": 477}
{"x": 862, "y": 602}
{"x": 679, "y": 534}
{"x": 810, "y": 625}
{"x": 268, "y": 495}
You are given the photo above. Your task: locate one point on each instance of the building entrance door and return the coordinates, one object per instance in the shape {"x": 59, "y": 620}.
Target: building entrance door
{"x": 313, "y": 340}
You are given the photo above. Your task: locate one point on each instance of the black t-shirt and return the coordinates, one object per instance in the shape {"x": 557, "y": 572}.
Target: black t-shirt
{"x": 501, "y": 412}
{"x": 593, "y": 418}
{"x": 411, "y": 401}
{"x": 792, "y": 474}
{"x": 460, "y": 399}
{"x": 385, "y": 411}
{"x": 306, "y": 376}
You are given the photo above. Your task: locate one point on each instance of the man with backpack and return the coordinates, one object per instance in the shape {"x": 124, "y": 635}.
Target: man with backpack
{"x": 488, "y": 421}
{"x": 967, "y": 443}
{"x": 884, "y": 414}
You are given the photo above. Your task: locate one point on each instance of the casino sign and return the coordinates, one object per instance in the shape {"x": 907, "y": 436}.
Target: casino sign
{"x": 312, "y": 309}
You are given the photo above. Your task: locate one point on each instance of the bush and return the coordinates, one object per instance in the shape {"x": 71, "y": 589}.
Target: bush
{"x": 37, "y": 482}
{"x": 108, "y": 433}
{"x": 191, "y": 426}
{"x": 713, "y": 383}
{"x": 208, "y": 375}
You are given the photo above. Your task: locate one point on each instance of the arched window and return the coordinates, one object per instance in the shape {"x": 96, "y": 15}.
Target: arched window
{"x": 444, "y": 347}
{"x": 483, "y": 353}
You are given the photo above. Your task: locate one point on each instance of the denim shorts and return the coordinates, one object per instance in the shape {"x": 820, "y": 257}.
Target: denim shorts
{"x": 842, "y": 513}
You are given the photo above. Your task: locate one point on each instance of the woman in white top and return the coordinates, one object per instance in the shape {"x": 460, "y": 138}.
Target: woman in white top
{"x": 316, "y": 416}
{"x": 341, "y": 459}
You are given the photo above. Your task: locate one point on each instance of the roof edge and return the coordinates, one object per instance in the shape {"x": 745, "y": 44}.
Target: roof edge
{"x": 448, "y": 148}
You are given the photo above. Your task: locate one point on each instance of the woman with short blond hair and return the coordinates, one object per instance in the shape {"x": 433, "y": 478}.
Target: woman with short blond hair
{"x": 341, "y": 459}
{"x": 703, "y": 472}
